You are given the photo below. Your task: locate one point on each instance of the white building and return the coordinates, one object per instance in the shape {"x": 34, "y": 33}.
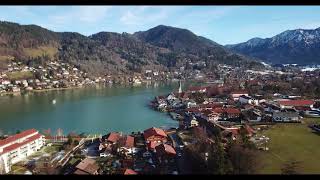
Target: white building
{"x": 236, "y": 94}
{"x": 17, "y": 147}
{"x": 248, "y": 100}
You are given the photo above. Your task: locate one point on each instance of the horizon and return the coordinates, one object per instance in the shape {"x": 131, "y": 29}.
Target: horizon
{"x": 222, "y": 24}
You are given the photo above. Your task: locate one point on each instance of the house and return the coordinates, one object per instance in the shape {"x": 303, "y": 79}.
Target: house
{"x": 190, "y": 103}
{"x": 228, "y": 113}
{"x": 209, "y": 115}
{"x": 270, "y": 108}
{"x": 248, "y": 100}
{"x": 171, "y": 97}
{"x": 286, "y": 117}
{"x": 17, "y": 147}
{"x": 165, "y": 152}
{"x": 87, "y": 167}
{"x": 236, "y": 94}
{"x": 126, "y": 145}
{"x": 190, "y": 121}
{"x": 113, "y": 137}
{"x": 197, "y": 89}
{"x": 151, "y": 145}
{"x": 155, "y": 134}
{"x": 312, "y": 113}
{"x": 230, "y": 133}
{"x": 129, "y": 172}
{"x": 295, "y": 103}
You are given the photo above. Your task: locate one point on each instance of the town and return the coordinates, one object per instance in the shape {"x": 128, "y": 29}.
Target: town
{"x": 224, "y": 111}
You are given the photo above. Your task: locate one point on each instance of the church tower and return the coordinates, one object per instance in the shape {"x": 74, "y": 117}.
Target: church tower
{"x": 180, "y": 88}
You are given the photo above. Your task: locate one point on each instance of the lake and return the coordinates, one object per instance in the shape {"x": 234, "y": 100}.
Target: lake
{"x": 89, "y": 110}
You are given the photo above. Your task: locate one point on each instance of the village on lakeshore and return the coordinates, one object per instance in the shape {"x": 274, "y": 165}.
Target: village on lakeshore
{"x": 223, "y": 112}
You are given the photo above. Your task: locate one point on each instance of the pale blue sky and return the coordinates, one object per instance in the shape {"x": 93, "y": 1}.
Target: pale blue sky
{"x": 223, "y": 24}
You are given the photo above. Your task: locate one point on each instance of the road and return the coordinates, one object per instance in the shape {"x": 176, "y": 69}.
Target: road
{"x": 182, "y": 166}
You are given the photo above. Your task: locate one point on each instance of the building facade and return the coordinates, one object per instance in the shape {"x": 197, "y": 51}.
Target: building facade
{"x": 17, "y": 147}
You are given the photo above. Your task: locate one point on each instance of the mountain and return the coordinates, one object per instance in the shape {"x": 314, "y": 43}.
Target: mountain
{"x": 298, "y": 46}
{"x": 195, "y": 48}
{"x": 160, "y": 48}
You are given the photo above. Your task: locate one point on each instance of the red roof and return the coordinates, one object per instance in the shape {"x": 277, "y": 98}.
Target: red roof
{"x": 166, "y": 148}
{"x": 113, "y": 137}
{"x": 130, "y": 172}
{"x": 239, "y": 92}
{"x": 127, "y": 141}
{"x": 193, "y": 109}
{"x": 227, "y": 110}
{"x": 154, "y": 132}
{"x": 152, "y": 145}
{"x": 301, "y": 108}
{"x": 197, "y": 88}
{"x": 297, "y": 103}
{"x": 210, "y": 105}
{"x": 17, "y": 136}
{"x": 17, "y": 145}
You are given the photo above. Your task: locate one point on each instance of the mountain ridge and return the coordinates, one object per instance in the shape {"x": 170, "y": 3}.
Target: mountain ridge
{"x": 109, "y": 52}
{"x": 299, "y": 46}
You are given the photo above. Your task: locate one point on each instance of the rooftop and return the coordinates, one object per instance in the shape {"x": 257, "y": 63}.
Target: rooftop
{"x": 17, "y": 136}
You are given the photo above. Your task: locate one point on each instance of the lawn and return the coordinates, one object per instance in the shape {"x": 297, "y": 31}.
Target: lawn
{"x": 40, "y": 51}
{"x": 20, "y": 75}
{"x": 51, "y": 149}
{"x": 292, "y": 141}
{"x": 18, "y": 169}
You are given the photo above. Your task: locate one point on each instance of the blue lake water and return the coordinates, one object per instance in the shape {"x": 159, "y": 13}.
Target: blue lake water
{"x": 88, "y": 110}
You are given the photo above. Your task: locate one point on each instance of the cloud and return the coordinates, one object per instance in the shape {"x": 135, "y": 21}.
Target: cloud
{"x": 80, "y": 14}
{"x": 146, "y": 15}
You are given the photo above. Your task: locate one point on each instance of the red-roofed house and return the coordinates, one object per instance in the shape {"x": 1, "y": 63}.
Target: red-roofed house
{"x": 152, "y": 145}
{"x": 165, "y": 152}
{"x": 129, "y": 172}
{"x": 17, "y": 147}
{"x": 228, "y": 112}
{"x": 197, "y": 89}
{"x": 155, "y": 134}
{"x": 126, "y": 144}
{"x": 87, "y": 167}
{"x": 296, "y": 103}
{"x": 113, "y": 137}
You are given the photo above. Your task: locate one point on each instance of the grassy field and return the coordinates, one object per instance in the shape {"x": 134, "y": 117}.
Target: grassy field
{"x": 292, "y": 142}
{"x": 40, "y": 51}
{"x": 18, "y": 169}
{"x": 19, "y": 75}
{"x": 6, "y": 58}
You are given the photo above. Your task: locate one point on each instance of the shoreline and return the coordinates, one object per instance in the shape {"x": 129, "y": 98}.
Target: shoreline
{"x": 74, "y": 87}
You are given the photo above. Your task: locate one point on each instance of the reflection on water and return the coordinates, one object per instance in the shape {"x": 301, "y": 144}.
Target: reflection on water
{"x": 91, "y": 110}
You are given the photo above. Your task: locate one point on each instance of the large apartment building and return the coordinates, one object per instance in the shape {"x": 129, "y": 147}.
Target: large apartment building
{"x": 17, "y": 147}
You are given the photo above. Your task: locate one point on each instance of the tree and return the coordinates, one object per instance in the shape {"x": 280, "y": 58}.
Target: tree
{"x": 243, "y": 160}
{"x": 69, "y": 142}
{"x": 75, "y": 142}
{"x": 217, "y": 160}
{"x": 291, "y": 167}
{"x": 18, "y": 132}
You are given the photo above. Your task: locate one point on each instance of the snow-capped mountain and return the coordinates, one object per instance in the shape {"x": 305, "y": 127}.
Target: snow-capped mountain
{"x": 299, "y": 46}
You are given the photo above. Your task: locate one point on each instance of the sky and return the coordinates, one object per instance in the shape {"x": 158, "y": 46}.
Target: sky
{"x": 222, "y": 24}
